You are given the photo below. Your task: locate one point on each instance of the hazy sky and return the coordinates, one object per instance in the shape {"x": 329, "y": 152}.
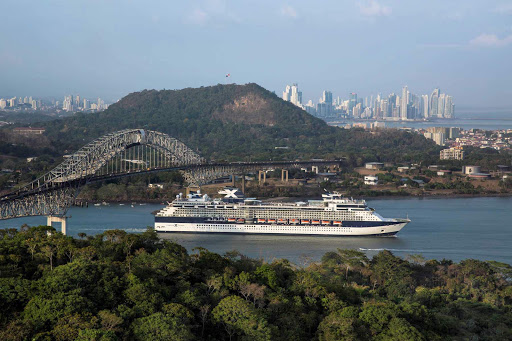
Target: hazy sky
{"x": 109, "y": 48}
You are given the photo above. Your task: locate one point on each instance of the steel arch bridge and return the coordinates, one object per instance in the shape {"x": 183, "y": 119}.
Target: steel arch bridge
{"x": 119, "y": 154}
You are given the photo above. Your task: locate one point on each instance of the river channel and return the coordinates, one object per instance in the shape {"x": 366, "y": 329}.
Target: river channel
{"x": 451, "y": 228}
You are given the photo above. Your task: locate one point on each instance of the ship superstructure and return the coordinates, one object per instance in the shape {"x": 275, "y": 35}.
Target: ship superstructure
{"x": 333, "y": 215}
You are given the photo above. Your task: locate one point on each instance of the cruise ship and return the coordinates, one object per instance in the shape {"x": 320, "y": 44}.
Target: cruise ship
{"x": 334, "y": 215}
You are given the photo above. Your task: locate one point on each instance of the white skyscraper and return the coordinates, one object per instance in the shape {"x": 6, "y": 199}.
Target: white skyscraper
{"x": 440, "y": 105}
{"x": 404, "y": 101}
{"x": 424, "y": 106}
{"x": 434, "y": 99}
{"x": 448, "y": 107}
{"x": 292, "y": 94}
{"x": 287, "y": 93}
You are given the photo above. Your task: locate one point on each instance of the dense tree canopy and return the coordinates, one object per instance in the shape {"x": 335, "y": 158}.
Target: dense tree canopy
{"x": 120, "y": 286}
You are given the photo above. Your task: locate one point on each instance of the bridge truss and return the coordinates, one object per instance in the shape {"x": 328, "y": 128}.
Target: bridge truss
{"x": 123, "y": 153}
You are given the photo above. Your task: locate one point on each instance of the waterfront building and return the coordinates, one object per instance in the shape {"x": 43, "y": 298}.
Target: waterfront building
{"x": 404, "y": 103}
{"x": 424, "y": 106}
{"x": 291, "y": 94}
{"x": 434, "y": 99}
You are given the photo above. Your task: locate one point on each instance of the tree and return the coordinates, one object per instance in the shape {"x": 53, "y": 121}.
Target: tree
{"x": 401, "y": 330}
{"x": 238, "y": 317}
{"x": 161, "y": 327}
{"x": 352, "y": 259}
{"x": 337, "y": 326}
{"x": 203, "y": 314}
{"x": 49, "y": 251}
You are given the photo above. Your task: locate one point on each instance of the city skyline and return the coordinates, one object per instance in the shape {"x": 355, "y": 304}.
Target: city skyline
{"x": 351, "y": 45}
{"x": 404, "y": 106}
{"x": 70, "y": 103}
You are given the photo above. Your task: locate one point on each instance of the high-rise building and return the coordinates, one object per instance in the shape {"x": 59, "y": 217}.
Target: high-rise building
{"x": 291, "y": 94}
{"x": 440, "y": 105}
{"x": 434, "y": 99}
{"x": 404, "y": 103}
{"x": 449, "y": 107}
{"x": 3, "y": 103}
{"x": 287, "y": 93}
{"x": 356, "y": 111}
{"x": 424, "y": 106}
{"x": 327, "y": 97}
{"x": 352, "y": 102}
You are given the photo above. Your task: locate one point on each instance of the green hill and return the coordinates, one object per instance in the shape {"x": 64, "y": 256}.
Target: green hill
{"x": 235, "y": 122}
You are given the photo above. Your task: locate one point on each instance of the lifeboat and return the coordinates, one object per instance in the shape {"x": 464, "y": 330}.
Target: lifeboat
{"x": 337, "y": 222}
{"x": 272, "y": 221}
{"x": 294, "y": 221}
{"x": 231, "y": 220}
{"x": 304, "y": 221}
{"x": 325, "y": 222}
{"x": 315, "y": 222}
{"x": 260, "y": 220}
{"x": 281, "y": 221}
{"x": 240, "y": 221}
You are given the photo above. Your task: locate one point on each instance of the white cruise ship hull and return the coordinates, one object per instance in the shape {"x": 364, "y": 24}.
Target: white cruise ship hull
{"x": 383, "y": 230}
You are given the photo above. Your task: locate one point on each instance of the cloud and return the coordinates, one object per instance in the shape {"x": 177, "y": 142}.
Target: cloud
{"x": 503, "y": 9}
{"x": 440, "y": 46}
{"x": 10, "y": 59}
{"x": 212, "y": 12}
{"x": 198, "y": 17}
{"x": 289, "y": 11}
{"x": 372, "y": 8}
{"x": 490, "y": 40}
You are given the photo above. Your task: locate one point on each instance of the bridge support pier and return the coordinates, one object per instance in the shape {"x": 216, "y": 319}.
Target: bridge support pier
{"x": 191, "y": 189}
{"x": 53, "y": 219}
{"x": 262, "y": 177}
{"x": 284, "y": 175}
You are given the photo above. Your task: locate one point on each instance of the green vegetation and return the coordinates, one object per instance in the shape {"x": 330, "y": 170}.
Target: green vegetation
{"x": 238, "y": 122}
{"x": 119, "y": 286}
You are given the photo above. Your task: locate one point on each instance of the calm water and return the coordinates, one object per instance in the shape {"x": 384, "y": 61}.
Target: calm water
{"x": 466, "y": 118}
{"x": 455, "y": 229}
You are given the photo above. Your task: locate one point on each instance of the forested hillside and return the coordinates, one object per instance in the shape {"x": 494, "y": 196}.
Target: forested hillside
{"x": 236, "y": 122}
{"x": 119, "y": 286}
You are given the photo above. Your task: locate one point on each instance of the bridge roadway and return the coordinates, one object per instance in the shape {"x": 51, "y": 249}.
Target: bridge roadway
{"x": 119, "y": 154}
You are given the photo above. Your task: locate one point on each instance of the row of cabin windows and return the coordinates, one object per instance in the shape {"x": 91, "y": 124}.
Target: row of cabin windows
{"x": 270, "y": 213}
{"x": 275, "y": 228}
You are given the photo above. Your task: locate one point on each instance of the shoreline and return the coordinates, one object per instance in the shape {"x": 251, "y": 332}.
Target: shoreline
{"x": 270, "y": 199}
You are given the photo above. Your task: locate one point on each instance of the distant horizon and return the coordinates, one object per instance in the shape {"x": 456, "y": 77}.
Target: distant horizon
{"x": 277, "y": 92}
